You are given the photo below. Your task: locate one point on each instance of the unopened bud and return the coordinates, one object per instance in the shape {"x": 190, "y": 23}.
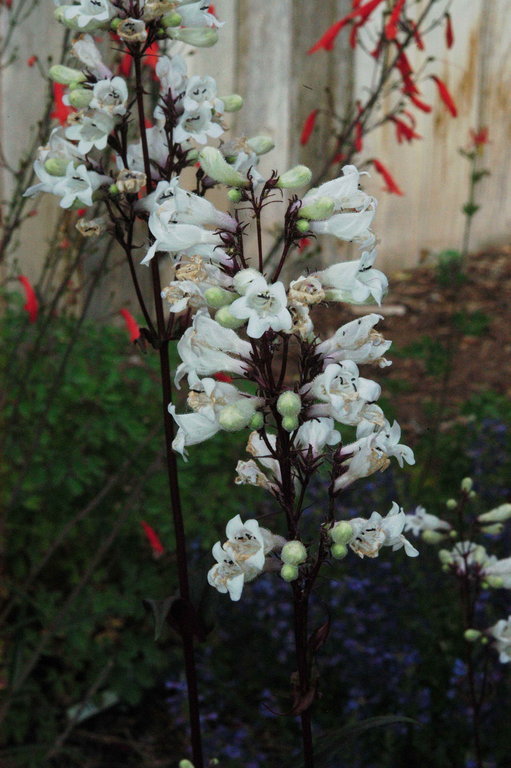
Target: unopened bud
{"x": 80, "y": 98}
{"x": 432, "y": 537}
{"x": 232, "y": 103}
{"x": 494, "y": 529}
{"x": 185, "y": 764}
{"x": 339, "y": 551}
{"x": 257, "y": 421}
{"x": 445, "y": 557}
{"x": 215, "y": 165}
{"x": 453, "y": 534}
{"x": 192, "y": 155}
{"x": 289, "y": 423}
{"x": 113, "y": 190}
{"x": 471, "y": 635}
{"x": 56, "y": 166}
{"x": 319, "y": 209}
{"x": 289, "y": 572}
{"x": 232, "y": 418}
{"x": 234, "y": 195}
{"x": 302, "y": 226}
{"x": 227, "y": 320}
{"x": 466, "y": 484}
{"x": 65, "y": 75}
{"x": 200, "y": 37}
{"x": 496, "y": 582}
{"x": 472, "y": 495}
{"x": 342, "y": 532}
{"x": 260, "y": 144}
{"x": 114, "y": 24}
{"x": 218, "y": 297}
{"x": 299, "y": 176}
{"x": 484, "y": 641}
{"x": 289, "y": 404}
{"x": 293, "y": 553}
{"x": 171, "y": 20}
{"x": 451, "y": 503}
{"x": 497, "y": 515}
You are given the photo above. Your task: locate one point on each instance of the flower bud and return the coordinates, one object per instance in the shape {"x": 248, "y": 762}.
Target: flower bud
{"x": 171, "y": 20}
{"x": 233, "y": 418}
{"x": 342, "y": 532}
{"x": 496, "y": 582}
{"x": 232, "y": 103}
{"x": 56, "y": 166}
{"x": 218, "y": 297}
{"x": 494, "y": 529}
{"x": 185, "y": 764}
{"x": 471, "y": 635}
{"x": 322, "y": 208}
{"x": 289, "y": 404}
{"x": 65, "y": 75}
{"x": 215, "y": 165}
{"x": 466, "y": 484}
{"x": 261, "y": 144}
{"x": 113, "y": 190}
{"x": 432, "y": 537}
{"x": 484, "y": 641}
{"x": 227, "y": 320}
{"x": 201, "y": 37}
{"x": 244, "y": 279}
{"x": 80, "y": 98}
{"x": 289, "y": 423}
{"x": 257, "y": 421}
{"x": 451, "y": 503}
{"x": 472, "y": 495}
{"x": 497, "y": 515}
{"x": 192, "y": 155}
{"x": 299, "y": 176}
{"x": 293, "y": 553}
{"x": 114, "y": 24}
{"x": 453, "y": 534}
{"x": 234, "y": 195}
{"x": 339, "y": 551}
{"x": 289, "y": 572}
{"x": 445, "y": 557}
{"x": 302, "y": 226}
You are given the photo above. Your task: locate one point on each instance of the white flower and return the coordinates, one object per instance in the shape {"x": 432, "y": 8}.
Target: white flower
{"x": 197, "y": 125}
{"x": 302, "y": 323}
{"x": 186, "y": 207}
{"x": 158, "y": 151}
{"x": 206, "y": 347}
{"x": 420, "y": 521}
{"x": 314, "y": 434}
{"x": 132, "y": 30}
{"x": 356, "y": 341}
{"x": 172, "y": 236}
{"x": 91, "y": 131}
{"x": 200, "y": 90}
{"x": 264, "y": 306}
{"x": 498, "y": 572}
{"x": 306, "y": 291}
{"x": 354, "y": 281}
{"x": 258, "y": 448}
{"x": 369, "y": 536}
{"x": 78, "y": 185}
{"x": 347, "y": 395}
{"x": 344, "y": 191}
{"x": 245, "y": 543}
{"x": 86, "y": 51}
{"x": 110, "y": 96}
{"x": 465, "y": 556}
{"x": 226, "y": 575}
{"x": 348, "y": 226}
{"x": 87, "y": 12}
{"x": 172, "y": 74}
{"x": 248, "y": 473}
{"x": 196, "y": 15}
{"x": 59, "y": 150}
{"x": 501, "y": 631}
{"x": 497, "y": 515}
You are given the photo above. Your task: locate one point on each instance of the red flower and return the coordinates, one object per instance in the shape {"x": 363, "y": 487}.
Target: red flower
{"x": 308, "y": 127}
{"x": 418, "y": 102}
{"x": 449, "y": 34}
{"x": 151, "y": 57}
{"x": 445, "y": 95}
{"x": 327, "y": 40}
{"x": 212, "y": 9}
{"x": 154, "y": 540}
{"x": 131, "y": 324}
{"x": 60, "y": 110}
{"x": 391, "y": 26}
{"x": 417, "y": 35}
{"x": 31, "y": 305}
{"x": 404, "y": 132}
{"x": 359, "y": 132}
{"x": 304, "y": 243}
{"x": 31, "y": 61}
{"x": 391, "y": 185}
{"x": 222, "y": 377}
{"x": 81, "y": 212}
{"x": 480, "y": 137}
{"x": 125, "y": 65}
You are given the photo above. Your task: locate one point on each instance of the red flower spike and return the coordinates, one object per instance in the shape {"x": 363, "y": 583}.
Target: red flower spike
{"x": 327, "y": 40}
{"x": 125, "y": 64}
{"x": 154, "y": 540}
{"x": 403, "y": 131}
{"x": 391, "y": 25}
{"x": 418, "y": 102}
{"x": 308, "y": 127}
{"x": 31, "y": 304}
{"x": 417, "y": 35}
{"x": 60, "y": 110}
{"x": 391, "y": 185}
{"x": 449, "y": 34}
{"x": 223, "y": 377}
{"x": 131, "y": 324}
{"x": 445, "y": 95}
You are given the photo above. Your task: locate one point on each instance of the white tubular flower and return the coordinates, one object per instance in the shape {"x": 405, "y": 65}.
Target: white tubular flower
{"x": 346, "y": 394}
{"x": 197, "y": 125}
{"x": 344, "y": 191}
{"x": 172, "y": 74}
{"x": 172, "y": 236}
{"x": 158, "y": 151}
{"x": 264, "y": 306}
{"x": 226, "y": 576}
{"x": 497, "y": 515}
{"x": 248, "y": 473}
{"x": 258, "y": 448}
{"x": 314, "y": 434}
{"x": 91, "y": 131}
{"x": 354, "y": 281}
{"x": 387, "y": 440}
{"x": 88, "y": 13}
{"x": 465, "y": 556}
{"x": 245, "y": 543}
{"x": 200, "y": 90}
{"x": 207, "y": 348}
{"x": 196, "y": 15}
{"x": 183, "y": 294}
{"x": 348, "y": 226}
{"x": 86, "y": 51}
{"x": 498, "y": 572}
{"x": 306, "y": 291}
{"x": 302, "y": 323}
{"x": 357, "y": 341}
{"x": 79, "y": 184}
{"x": 132, "y": 30}
{"x": 52, "y": 163}
{"x": 187, "y": 207}
{"x": 110, "y": 96}
{"x": 369, "y": 536}
{"x": 501, "y": 632}
{"x": 420, "y": 521}
{"x": 194, "y": 428}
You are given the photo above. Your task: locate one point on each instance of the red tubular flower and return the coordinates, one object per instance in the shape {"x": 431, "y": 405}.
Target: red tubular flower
{"x": 308, "y": 127}
{"x": 60, "y": 110}
{"x": 154, "y": 540}
{"x": 223, "y": 377}
{"x": 449, "y": 34}
{"x": 125, "y": 65}
{"x": 418, "y": 102}
{"x": 417, "y": 35}
{"x": 31, "y": 304}
{"x": 404, "y": 131}
{"x": 445, "y": 95}
{"x": 131, "y": 324}
{"x": 327, "y": 40}
{"x": 480, "y": 137}
{"x": 304, "y": 243}
{"x": 391, "y": 185}
{"x": 391, "y": 25}
{"x": 212, "y": 9}
{"x": 31, "y": 61}
{"x": 359, "y": 131}
{"x": 151, "y": 57}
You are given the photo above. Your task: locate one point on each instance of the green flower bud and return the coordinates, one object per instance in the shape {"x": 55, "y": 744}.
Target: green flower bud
{"x": 115, "y": 23}
{"x": 289, "y": 404}
{"x": 73, "y": 23}
{"x": 339, "y": 551}
{"x": 56, "y": 166}
{"x": 214, "y": 164}
{"x": 171, "y": 20}
{"x": 496, "y": 582}
{"x": 65, "y": 75}
{"x": 445, "y": 568}
{"x": 293, "y": 553}
{"x": 234, "y": 195}
{"x": 466, "y": 484}
{"x": 192, "y": 155}
{"x": 319, "y": 209}
{"x": 289, "y": 572}
{"x": 453, "y": 534}
{"x": 257, "y": 421}
{"x": 302, "y": 226}
{"x": 290, "y": 423}
{"x": 232, "y": 103}
{"x": 218, "y": 297}
{"x": 200, "y": 37}
{"x": 445, "y": 557}
{"x": 299, "y": 176}
{"x": 472, "y": 495}
{"x": 451, "y": 503}
{"x": 497, "y": 515}
{"x": 342, "y": 532}
{"x": 261, "y": 144}
{"x": 113, "y": 190}
{"x": 234, "y": 417}
{"x": 80, "y": 98}
{"x": 484, "y": 641}
{"x": 494, "y": 529}
{"x": 432, "y": 537}
{"x": 185, "y": 764}
{"x": 471, "y": 635}
{"x": 227, "y": 320}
